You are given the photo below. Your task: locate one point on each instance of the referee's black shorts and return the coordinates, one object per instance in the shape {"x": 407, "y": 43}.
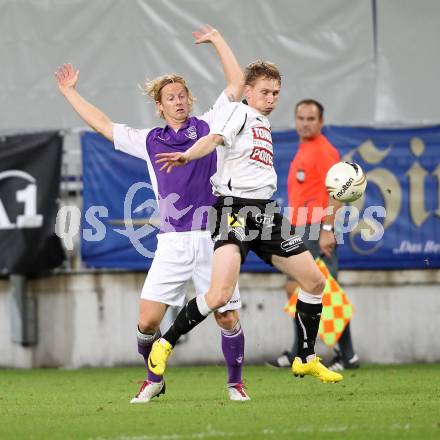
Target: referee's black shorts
{"x": 254, "y": 225}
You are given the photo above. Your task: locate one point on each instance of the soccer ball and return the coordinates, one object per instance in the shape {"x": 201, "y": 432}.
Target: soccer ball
{"x": 345, "y": 181}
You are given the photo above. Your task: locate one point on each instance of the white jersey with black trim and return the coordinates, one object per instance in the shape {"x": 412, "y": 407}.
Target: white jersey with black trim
{"x": 245, "y": 161}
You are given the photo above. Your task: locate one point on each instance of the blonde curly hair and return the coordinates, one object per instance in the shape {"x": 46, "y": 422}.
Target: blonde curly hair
{"x": 153, "y": 89}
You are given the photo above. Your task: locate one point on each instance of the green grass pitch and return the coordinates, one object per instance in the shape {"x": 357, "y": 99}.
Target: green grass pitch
{"x": 374, "y": 402}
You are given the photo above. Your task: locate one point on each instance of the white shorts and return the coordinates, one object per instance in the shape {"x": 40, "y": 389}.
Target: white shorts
{"x": 179, "y": 257}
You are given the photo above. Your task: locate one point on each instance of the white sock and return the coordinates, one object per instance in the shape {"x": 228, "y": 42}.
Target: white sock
{"x": 146, "y": 338}
{"x": 233, "y": 331}
{"x": 203, "y": 306}
{"x": 309, "y": 298}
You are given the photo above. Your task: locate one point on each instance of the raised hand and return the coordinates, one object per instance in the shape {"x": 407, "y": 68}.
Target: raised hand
{"x": 171, "y": 160}
{"x": 205, "y": 34}
{"x": 66, "y": 77}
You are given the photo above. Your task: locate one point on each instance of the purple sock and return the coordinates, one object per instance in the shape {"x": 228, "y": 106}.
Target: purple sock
{"x": 145, "y": 342}
{"x": 233, "y": 351}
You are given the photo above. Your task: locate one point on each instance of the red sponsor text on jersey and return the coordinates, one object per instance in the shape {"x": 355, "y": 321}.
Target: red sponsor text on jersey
{"x": 262, "y": 133}
{"x": 262, "y": 155}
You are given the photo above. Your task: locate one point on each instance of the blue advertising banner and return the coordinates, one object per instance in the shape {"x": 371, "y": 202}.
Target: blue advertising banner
{"x": 403, "y": 171}
{"x": 119, "y": 219}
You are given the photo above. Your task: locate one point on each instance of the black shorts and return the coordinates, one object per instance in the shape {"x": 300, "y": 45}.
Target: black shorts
{"x": 254, "y": 225}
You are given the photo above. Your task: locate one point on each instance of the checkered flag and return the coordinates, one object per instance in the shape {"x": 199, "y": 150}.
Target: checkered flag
{"x": 336, "y": 308}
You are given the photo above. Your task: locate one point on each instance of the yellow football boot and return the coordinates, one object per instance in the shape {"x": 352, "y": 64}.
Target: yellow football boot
{"x": 316, "y": 369}
{"x": 160, "y": 352}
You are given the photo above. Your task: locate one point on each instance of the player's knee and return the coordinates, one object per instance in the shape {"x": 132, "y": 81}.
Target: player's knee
{"x": 317, "y": 284}
{"x": 314, "y": 284}
{"x": 222, "y": 296}
{"x": 227, "y": 320}
{"x": 148, "y": 326}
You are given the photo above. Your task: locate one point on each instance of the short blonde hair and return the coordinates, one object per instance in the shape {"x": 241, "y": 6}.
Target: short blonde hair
{"x": 153, "y": 89}
{"x": 261, "y": 69}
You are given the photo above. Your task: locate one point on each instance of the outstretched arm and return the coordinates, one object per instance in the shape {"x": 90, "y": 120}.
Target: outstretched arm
{"x": 67, "y": 78}
{"x": 232, "y": 70}
{"x": 204, "y": 145}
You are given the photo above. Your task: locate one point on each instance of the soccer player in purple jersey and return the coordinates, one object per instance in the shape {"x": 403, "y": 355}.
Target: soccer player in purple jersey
{"x": 184, "y": 247}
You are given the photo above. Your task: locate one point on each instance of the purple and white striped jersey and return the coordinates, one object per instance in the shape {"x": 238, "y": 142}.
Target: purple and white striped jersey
{"x": 185, "y": 195}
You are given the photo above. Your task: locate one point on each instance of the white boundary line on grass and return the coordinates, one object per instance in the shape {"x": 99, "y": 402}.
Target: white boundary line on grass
{"x": 212, "y": 433}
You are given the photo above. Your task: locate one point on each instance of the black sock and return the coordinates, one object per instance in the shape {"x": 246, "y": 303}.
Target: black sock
{"x": 307, "y": 320}
{"x": 294, "y": 350}
{"x": 186, "y": 320}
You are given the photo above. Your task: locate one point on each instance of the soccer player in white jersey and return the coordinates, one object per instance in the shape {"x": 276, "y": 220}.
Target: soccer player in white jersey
{"x": 247, "y": 219}
{"x": 185, "y": 247}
